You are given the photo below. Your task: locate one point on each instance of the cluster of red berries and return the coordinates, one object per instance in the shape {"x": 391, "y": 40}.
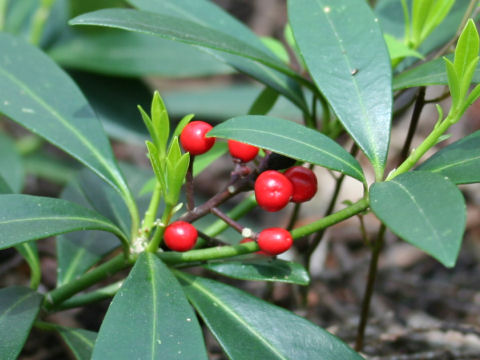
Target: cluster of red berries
{"x": 273, "y": 191}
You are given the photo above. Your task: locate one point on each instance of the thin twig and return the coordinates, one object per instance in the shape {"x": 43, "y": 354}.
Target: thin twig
{"x": 232, "y": 223}
{"x": 372, "y": 275}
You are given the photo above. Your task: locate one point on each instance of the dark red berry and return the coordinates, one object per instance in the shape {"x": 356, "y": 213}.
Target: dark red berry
{"x": 180, "y": 236}
{"x": 242, "y": 151}
{"x": 257, "y": 252}
{"x": 273, "y": 190}
{"x": 193, "y": 137}
{"x": 304, "y": 183}
{"x": 274, "y": 241}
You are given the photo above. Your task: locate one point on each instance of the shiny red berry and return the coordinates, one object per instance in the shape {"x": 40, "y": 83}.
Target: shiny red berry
{"x": 257, "y": 252}
{"x": 193, "y": 137}
{"x": 180, "y": 236}
{"x": 304, "y": 183}
{"x": 273, "y": 190}
{"x": 242, "y": 151}
{"x": 274, "y": 240}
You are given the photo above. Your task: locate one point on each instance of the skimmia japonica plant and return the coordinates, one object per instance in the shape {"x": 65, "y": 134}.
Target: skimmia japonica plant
{"x": 350, "y": 62}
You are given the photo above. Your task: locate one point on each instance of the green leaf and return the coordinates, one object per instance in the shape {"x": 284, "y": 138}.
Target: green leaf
{"x": 249, "y": 328}
{"x": 398, "y": 50}
{"x": 160, "y": 123}
{"x": 453, "y": 83}
{"x": 4, "y": 187}
{"x": 175, "y": 179}
{"x": 157, "y": 166}
{"x": 262, "y": 270}
{"x": 460, "y": 161}
{"x": 159, "y": 324}
{"x": 19, "y": 307}
{"x": 115, "y": 101}
{"x": 264, "y": 102}
{"x": 206, "y": 13}
{"x": 430, "y": 73}
{"x": 36, "y": 93}
{"x": 79, "y": 341}
{"x": 78, "y": 251}
{"x": 182, "y": 123}
{"x": 352, "y": 72}
{"x": 467, "y": 48}
{"x": 29, "y": 251}
{"x": 436, "y": 14}
{"x": 178, "y": 29}
{"x": 290, "y": 139}
{"x": 25, "y": 217}
{"x": 424, "y": 209}
{"x": 11, "y": 167}
{"x": 174, "y": 151}
{"x": 277, "y": 48}
{"x": 115, "y": 52}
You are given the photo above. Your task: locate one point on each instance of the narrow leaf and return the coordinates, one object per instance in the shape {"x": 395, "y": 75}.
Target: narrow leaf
{"x": 290, "y": 139}
{"x": 398, "y": 50}
{"x": 79, "y": 341}
{"x": 467, "y": 48}
{"x": 11, "y": 166}
{"x": 429, "y": 73}
{"x": 160, "y": 122}
{"x": 207, "y": 13}
{"x": 249, "y": 328}
{"x": 19, "y": 307}
{"x": 262, "y": 270}
{"x": 424, "y": 209}
{"x": 181, "y": 124}
{"x": 25, "y": 217}
{"x": 453, "y": 83}
{"x": 36, "y": 93}
{"x": 460, "y": 161}
{"x": 264, "y": 102}
{"x": 345, "y": 53}
{"x": 159, "y": 324}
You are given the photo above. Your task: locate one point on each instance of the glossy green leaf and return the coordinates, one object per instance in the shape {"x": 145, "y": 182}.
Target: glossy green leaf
{"x": 277, "y": 48}
{"x": 36, "y": 93}
{"x": 25, "y": 217}
{"x": 264, "y": 102}
{"x": 235, "y": 99}
{"x": 11, "y": 167}
{"x": 116, "y": 52}
{"x": 4, "y": 187}
{"x": 425, "y": 209}
{"x": 206, "y": 13}
{"x": 79, "y": 341}
{"x": 78, "y": 251}
{"x": 291, "y": 139}
{"x": 429, "y": 73}
{"x": 115, "y": 101}
{"x": 460, "y": 161}
{"x": 249, "y": 328}
{"x": 262, "y": 270}
{"x": 19, "y": 307}
{"x": 467, "y": 47}
{"x": 397, "y": 49}
{"x": 178, "y": 29}
{"x": 159, "y": 324}
{"x": 345, "y": 53}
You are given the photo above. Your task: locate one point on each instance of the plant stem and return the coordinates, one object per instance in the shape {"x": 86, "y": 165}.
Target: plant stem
{"x": 372, "y": 274}
{"x": 55, "y": 297}
{"x": 330, "y": 220}
{"x": 158, "y": 235}
{"x": 429, "y": 142}
{"x": 91, "y": 297}
{"x": 229, "y": 221}
{"x": 236, "y": 213}
{"x": 417, "y": 110}
{"x": 189, "y": 185}
{"x": 151, "y": 213}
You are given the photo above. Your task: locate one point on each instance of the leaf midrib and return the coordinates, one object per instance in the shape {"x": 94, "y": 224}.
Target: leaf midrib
{"x": 302, "y": 143}
{"x": 16, "y": 304}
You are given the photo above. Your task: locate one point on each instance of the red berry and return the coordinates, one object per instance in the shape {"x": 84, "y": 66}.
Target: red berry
{"x": 193, "y": 138}
{"x": 180, "y": 236}
{"x": 258, "y": 252}
{"x": 275, "y": 240}
{"x": 304, "y": 183}
{"x": 242, "y": 151}
{"x": 273, "y": 190}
